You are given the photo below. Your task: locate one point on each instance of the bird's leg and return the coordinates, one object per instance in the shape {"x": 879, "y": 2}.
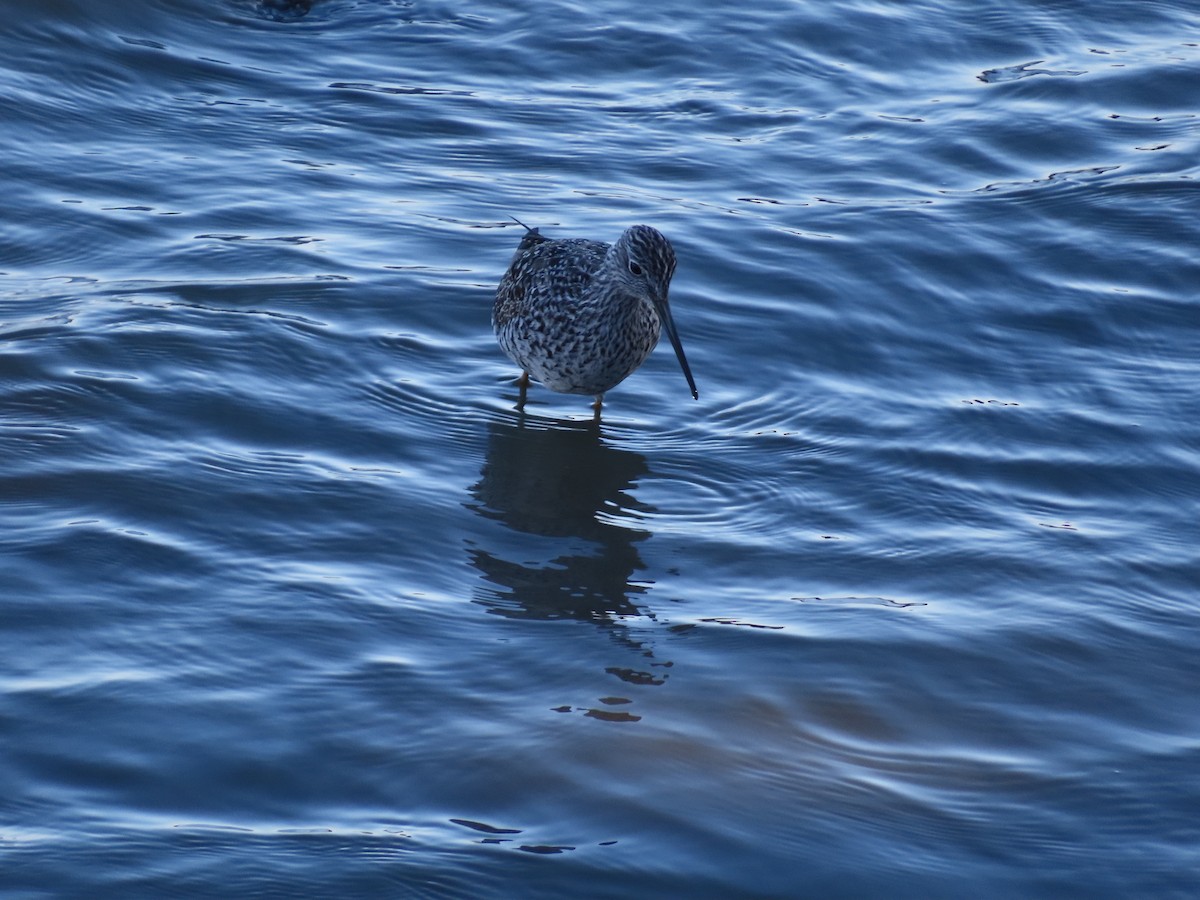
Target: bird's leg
{"x": 596, "y": 407}
{"x": 523, "y": 384}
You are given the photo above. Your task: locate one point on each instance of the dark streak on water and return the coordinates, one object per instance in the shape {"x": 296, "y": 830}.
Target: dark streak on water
{"x": 295, "y": 604}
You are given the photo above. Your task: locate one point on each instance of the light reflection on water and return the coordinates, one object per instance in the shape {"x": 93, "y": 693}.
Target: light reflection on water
{"x": 295, "y": 602}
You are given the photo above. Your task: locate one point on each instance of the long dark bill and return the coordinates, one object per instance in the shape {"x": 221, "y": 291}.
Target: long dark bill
{"x": 669, "y": 324}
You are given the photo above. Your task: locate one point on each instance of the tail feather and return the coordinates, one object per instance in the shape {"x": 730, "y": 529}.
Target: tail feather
{"x": 532, "y": 235}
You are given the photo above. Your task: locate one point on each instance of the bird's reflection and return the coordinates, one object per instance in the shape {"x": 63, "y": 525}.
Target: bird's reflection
{"x": 564, "y": 484}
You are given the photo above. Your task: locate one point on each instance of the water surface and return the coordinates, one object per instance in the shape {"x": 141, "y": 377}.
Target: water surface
{"x": 296, "y": 603}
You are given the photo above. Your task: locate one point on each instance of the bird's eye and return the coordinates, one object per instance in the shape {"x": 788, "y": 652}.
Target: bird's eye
{"x": 635, "y": 268}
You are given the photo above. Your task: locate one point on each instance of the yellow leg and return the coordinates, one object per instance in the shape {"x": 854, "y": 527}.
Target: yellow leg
{"x": 596, "y": 404}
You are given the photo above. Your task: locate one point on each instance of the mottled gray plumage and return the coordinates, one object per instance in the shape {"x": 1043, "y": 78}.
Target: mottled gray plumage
{"x": 580, "y": 316}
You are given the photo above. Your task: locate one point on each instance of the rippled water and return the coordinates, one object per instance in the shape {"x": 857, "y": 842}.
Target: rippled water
{"x": 297, "y": 604}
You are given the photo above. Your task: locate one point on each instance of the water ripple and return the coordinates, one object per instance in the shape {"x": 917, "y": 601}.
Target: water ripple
{"x": 293, "y": 594}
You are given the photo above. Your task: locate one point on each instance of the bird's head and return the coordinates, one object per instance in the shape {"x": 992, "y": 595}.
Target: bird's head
{"x": 644, "y": 261}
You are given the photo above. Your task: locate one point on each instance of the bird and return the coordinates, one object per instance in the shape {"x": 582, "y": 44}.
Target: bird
{"x": 580, "y": 316}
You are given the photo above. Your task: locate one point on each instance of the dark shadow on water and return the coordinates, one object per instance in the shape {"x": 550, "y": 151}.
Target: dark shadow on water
{"x": 569, "y": 545}
{"x": 283, "y": 10}
{"x": 567, "y": 486}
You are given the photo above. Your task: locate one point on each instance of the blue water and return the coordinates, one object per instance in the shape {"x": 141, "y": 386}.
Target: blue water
{"x": 295, "y": 603}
